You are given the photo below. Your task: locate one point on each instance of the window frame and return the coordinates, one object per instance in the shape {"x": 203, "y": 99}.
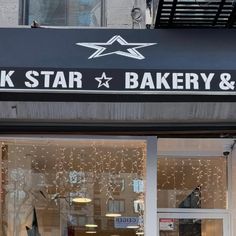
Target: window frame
{"x": 150, "y": 213}
{"x": 24, "y": 13}
{"x": 112, "y": 203}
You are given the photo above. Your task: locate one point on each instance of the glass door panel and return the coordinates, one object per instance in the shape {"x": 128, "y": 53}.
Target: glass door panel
{"x": 192, "y": 227}
{"x": 183, "y": 224}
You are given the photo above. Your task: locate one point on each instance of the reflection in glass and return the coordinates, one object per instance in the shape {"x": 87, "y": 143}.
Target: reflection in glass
{"x": 69, "y": 186}
{"x": 65, "y": 12}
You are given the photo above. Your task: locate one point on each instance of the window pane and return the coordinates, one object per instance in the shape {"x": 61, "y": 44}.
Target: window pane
{"x": 192, "y": 173}
{"x": 48, "y": 12}
{"x": 190, "y": 227}
{"x": 69, "y": 187}
{"x": 84, "y": 12}
{"x": 65, "y": 12}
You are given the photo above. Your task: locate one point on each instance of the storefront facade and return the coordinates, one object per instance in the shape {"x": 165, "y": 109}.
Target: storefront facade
{"x": 117, "y": 132}
{"x": 106, "y": 185}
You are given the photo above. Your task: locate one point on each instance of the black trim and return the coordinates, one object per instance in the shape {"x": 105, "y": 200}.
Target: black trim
{"x": 58, "y": 97}
{"x": 215, "y": 130}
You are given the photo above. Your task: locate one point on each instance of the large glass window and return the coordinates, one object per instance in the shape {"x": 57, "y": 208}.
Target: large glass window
{"x": 72, "y": 187}
{"x": 192, "y": 173}
{"x": 64, "y": 12}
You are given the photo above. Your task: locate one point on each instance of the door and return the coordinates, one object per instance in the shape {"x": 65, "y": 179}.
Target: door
{"x": 193, "y": 187}
{"x": 193, "y": 224}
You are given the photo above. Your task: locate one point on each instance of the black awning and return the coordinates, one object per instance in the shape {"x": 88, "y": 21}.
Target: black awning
{"x": 117, "y": 65}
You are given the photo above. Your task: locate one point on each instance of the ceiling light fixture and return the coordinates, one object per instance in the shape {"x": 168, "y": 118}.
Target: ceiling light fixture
{"x": 132, "y": 227}
{"x": 91, "y": 225}
{"x": 139, "y": 233}
{"x": 90, "y": 232}
{"x": 81, "y": 200}
{"x": 113, "y": 214}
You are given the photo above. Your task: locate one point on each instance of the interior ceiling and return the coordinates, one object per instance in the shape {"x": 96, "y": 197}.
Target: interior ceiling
{"x": 196, "y": 14}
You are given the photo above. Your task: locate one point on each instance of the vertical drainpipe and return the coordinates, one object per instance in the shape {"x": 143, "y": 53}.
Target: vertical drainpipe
{"x": 24, "y": 12}
{"x": 103, "y": 13}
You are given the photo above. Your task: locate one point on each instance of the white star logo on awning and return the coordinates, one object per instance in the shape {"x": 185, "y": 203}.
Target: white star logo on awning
{"x": 128, "y": 50}
{"x": 103, "y": 80}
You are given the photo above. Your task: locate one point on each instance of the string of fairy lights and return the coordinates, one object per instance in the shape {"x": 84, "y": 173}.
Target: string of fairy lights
{"x": 178, "y": 177}
{"x": 65, "y": 171}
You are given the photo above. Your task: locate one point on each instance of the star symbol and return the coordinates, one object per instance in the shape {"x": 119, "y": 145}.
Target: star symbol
{"x": 129, "y": 49}
{"x": 103, "y": 80}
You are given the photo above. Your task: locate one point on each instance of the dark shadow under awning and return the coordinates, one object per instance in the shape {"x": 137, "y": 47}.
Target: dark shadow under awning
{"x": 117, "y": 65}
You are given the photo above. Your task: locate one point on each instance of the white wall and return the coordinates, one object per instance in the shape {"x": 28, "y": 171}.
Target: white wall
{"x": 119, "y": 13}
{"x": 9, "y": 13}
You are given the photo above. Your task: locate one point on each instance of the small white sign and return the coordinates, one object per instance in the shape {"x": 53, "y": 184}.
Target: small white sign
{"x": 167, "y": 224}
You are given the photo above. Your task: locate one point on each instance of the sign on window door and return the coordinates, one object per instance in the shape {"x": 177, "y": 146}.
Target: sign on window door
{"x": 167, "y": 224}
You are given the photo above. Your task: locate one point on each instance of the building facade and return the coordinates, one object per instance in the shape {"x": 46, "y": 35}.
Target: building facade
{"x": 112, "y": 167}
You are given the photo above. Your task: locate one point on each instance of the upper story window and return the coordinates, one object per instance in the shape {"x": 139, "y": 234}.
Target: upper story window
{"x": 64, "y": 12}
